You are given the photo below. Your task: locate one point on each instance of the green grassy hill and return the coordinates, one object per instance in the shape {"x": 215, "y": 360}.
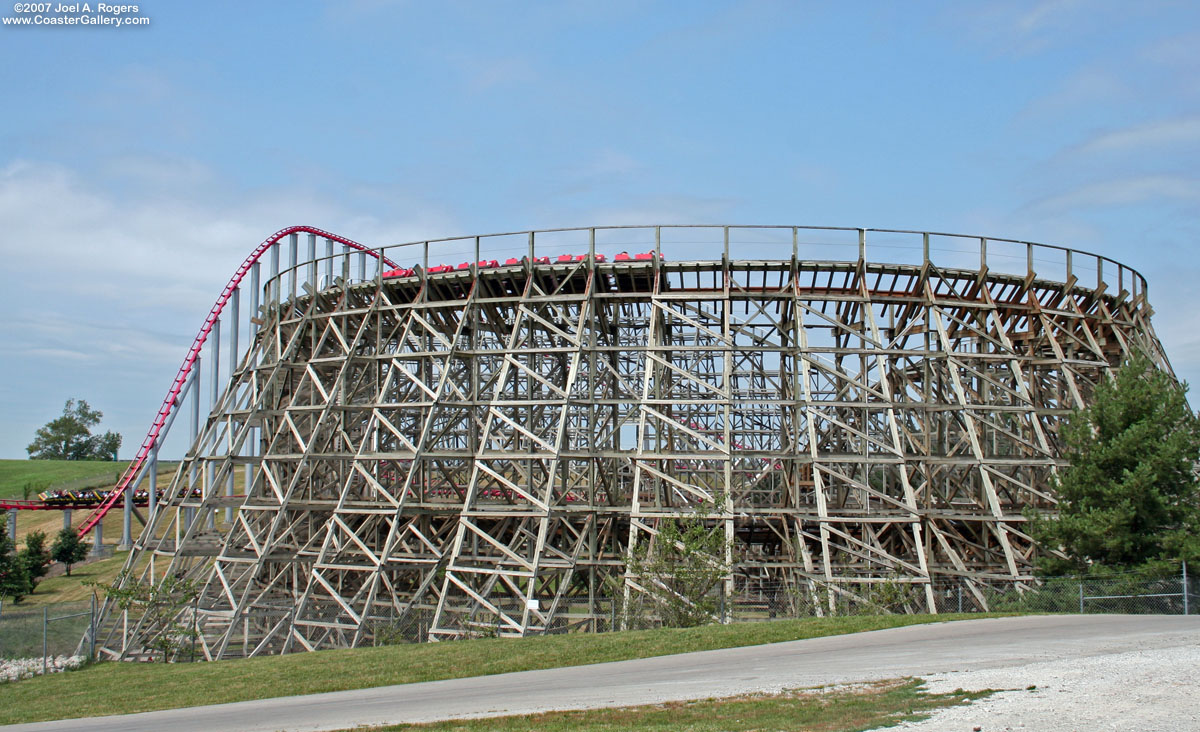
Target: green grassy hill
{"x": 15, "y": 474}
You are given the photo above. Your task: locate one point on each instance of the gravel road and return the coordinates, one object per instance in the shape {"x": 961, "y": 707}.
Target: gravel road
{"x": 1151, "y": 690}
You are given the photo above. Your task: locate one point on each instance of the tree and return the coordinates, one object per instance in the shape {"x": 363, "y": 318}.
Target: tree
{"x": 679, "y": 572}
{"x": 70, "y": 436}
{"x": 68, "y": 549}
{"x": 166, "y": 610}
{"x": 35, "y": 558}
{"x": 1129, "y": 495}
{"x": 13, "y": 580}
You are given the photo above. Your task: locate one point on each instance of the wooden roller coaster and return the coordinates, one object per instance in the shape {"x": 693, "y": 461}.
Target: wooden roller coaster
{"x": 454, "y": 450}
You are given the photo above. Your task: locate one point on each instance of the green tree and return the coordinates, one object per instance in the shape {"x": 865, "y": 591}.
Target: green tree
{"x": 70, "y": 436}
{"x": 68, "y": 549}
{"x": 166, "y": 610}
{"x": 678, "y": 576}
{"x": 1129, "y": 495}
{"x": 35, "y": 558}
{"x": 13, "y": 581}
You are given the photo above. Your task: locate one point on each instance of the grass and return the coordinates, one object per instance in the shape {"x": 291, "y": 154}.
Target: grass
{"x": 103, "y": 688}
{"x": 13, "y": 475}
{"x": 41, "y": 474}
{"x": 57, "y": 588}
{"x": 841, "y": 709}
{"x": 21, "y": 630}
{"x": 21, "y": 623}
{"x": 61, "y": 588}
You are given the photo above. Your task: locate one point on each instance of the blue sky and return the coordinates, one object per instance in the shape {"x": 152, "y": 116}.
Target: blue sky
{"x": 139, "y": 165}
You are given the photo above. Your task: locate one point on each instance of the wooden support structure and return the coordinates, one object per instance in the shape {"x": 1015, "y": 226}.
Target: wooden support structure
{"x": 477, "y": 450}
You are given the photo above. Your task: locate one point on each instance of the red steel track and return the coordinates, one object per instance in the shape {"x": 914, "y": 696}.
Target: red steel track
{"x": 172, "y": 398}
{"x": 8, "y": 504}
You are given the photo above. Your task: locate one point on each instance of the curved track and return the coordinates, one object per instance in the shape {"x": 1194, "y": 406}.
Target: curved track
{"x": 174, "y": 395}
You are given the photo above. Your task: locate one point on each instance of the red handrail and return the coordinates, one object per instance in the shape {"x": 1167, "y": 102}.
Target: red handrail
{"x": 172, "y": 398}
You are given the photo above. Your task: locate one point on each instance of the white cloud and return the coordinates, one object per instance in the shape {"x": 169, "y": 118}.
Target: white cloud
{"x": 57, "y": 353}
{"x": 1177, "y": 50}
{"x": 611, "y": 162}
{"x": 106, "y": 287}
{"x": 161, "y": 173}
{"x": 1028, "y": 27}
{"x": 484, "y": 74}
{"x": 1015, "y": 27}
{"x": 1123, "y": 192}
{"x": 1181, "y": 131}
{"x": 656, "y": 210}
{"x": 1043, "y": 14}
{"x": 61, "y": 228}
{"x": 1083, "y": 90}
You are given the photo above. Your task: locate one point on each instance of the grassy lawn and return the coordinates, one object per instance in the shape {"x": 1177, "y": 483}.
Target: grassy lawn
{"x": 21, "y": 623}
{"x": 14, "y": 474}
{"x": 103, "y": 688}
{"x": 21, "y": 631}
{"x": 61, "y": 588}
{"x": 861, "y": 707}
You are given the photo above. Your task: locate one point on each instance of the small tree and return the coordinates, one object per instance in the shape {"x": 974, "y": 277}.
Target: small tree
{"x": 161, "y": 608}
{"x": 35, "y": 558}
{"x": 68, "y": 549}
{"x": 70, "y": 437}
{"x": 679, "y": 571}
{"x": 1129, "y": 496}
{"x": 14, "y": 582}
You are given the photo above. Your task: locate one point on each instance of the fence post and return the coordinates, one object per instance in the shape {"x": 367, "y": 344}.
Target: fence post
{"x": 1185, "y": 588}
{"x": 1081, "y": 596}
{"x": 92, "y": 624}
{"x": 45, "y": 622}
{"x": 960, "y": 581}
{"x": 195, "y": 624}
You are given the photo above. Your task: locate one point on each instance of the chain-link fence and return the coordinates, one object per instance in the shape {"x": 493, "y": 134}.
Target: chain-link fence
{"x": 758, "y": 600}
{"x": 1136, "y": 593}
{"x": 1146, "y": 592}
{"x": 41, "y": 634}
{"x": 1133, "y": 593}
{"x": 39, "y": 639}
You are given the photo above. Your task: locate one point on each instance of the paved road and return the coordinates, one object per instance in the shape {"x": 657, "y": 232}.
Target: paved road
{"x": 913, "y": 651}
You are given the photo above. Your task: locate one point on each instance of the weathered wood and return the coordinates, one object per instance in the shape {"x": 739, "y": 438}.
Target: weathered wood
{"x": 478, "y": 452}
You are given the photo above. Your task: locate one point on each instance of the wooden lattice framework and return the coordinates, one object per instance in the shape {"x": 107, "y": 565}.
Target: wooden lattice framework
{"x": 476, "y": 451}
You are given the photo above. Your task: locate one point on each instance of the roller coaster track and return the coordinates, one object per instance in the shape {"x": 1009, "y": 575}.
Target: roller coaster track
{"x": 173, "y": 397}
{"x": 8, "y": 504}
